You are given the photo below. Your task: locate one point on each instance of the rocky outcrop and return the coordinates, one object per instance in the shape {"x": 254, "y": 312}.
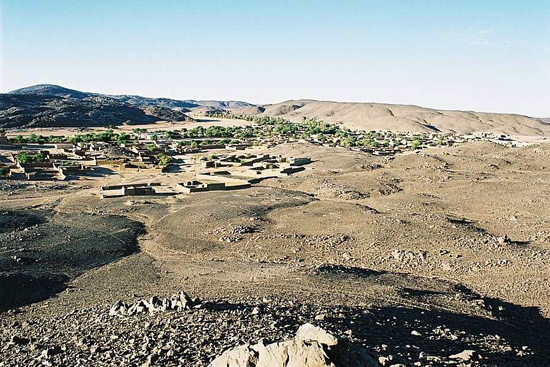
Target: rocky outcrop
{"x": 312, "y": 347}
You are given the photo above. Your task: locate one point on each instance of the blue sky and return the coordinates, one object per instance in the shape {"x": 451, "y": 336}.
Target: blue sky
{"x": 473, "y": 55}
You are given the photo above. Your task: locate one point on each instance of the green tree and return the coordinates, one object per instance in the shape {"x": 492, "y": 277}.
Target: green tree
{"x": 39, "y": 158}
{"x": 23, "y": 158}
{"x": 416, "y": 144}
{"x": 163, "y": 159}
{"x": 18, "y": 139}
{"x": 123, "y": 138}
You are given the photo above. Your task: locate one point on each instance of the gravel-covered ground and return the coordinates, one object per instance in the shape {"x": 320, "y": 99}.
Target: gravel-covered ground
{"x": 419, "y": 257}
{"x": 91, "y": 337}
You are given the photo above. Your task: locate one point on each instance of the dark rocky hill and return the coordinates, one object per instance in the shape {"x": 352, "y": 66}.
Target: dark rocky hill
{"x": 48, "y": 105}
{"x": 30, "y": 110}
{"x": 51, "y": 90}
{"x": 58, "y": 91}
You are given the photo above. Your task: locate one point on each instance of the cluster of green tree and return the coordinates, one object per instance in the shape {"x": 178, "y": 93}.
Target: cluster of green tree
{"x": 279, "y": 126}
{"x": 263, "y": 127}
{"x": 325, "y": 132}
{"x": 163, "y": 159}
{"x": 33, "y": 138}
{"x": 105, "y": 136}
{"x": 237, "y": 132}
{"x": 26, "y": 158}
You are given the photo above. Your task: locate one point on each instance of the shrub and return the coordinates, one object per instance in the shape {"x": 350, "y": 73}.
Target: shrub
{"x": 23, "y": 158}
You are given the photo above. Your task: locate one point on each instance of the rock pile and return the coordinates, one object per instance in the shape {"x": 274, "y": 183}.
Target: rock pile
{"x": 177, "y": 302}
{"x": 312, "y": 346}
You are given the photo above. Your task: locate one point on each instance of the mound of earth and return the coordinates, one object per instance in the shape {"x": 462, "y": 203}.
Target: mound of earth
{"x": 249, "y": 111}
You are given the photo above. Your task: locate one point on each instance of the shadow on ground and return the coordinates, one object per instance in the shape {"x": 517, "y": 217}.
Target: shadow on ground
{"x": 40, "y": 252}
{"x": 501, "y": 333}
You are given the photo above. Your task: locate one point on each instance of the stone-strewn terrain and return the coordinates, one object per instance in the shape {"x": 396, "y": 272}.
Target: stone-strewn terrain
{"x": 433, "y": 258}
{"x": 194, "y": 337}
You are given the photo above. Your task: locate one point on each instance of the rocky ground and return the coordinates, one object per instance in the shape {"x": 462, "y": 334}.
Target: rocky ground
{"x": 397, "y": 335}
{"x": 436, "y": 258}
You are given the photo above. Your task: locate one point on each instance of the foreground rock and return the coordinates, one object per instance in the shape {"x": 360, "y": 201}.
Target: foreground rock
{"x": 312, "y": 346}
{"x": 194, "y": 337}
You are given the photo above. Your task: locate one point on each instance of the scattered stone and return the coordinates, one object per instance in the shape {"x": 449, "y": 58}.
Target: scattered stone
{"x": 406, "y": 256}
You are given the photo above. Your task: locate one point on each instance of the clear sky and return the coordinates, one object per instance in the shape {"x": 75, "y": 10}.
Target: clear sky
{"x": 483, "y": 55}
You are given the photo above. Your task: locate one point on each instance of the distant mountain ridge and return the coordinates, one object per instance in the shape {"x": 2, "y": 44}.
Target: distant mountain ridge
{"x": 58, "y": 91}
{"x": 53, "y": 105}
{"x": 48, "y": 105}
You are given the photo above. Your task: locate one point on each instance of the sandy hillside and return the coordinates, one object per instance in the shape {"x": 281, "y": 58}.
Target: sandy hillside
{"x": 406, "y": 118}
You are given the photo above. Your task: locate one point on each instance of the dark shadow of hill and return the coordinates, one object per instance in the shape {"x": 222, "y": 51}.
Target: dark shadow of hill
{"x": 523, "y": 326}
{"x": 491, "y": 339}
{"x": 520, "y": 326}
{"x": 42, "y": 252}
{"x": 18, "y": 290}
{"x": 497, "y": 330}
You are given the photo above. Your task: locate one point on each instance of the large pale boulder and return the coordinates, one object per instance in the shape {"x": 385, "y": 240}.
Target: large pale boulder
{"x": 312, "y": 347}
{"x": 309, "y": 332}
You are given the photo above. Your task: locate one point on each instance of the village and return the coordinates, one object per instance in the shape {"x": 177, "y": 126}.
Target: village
{"x": 220, "y": 158}
{"x": 216, "y": 165}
